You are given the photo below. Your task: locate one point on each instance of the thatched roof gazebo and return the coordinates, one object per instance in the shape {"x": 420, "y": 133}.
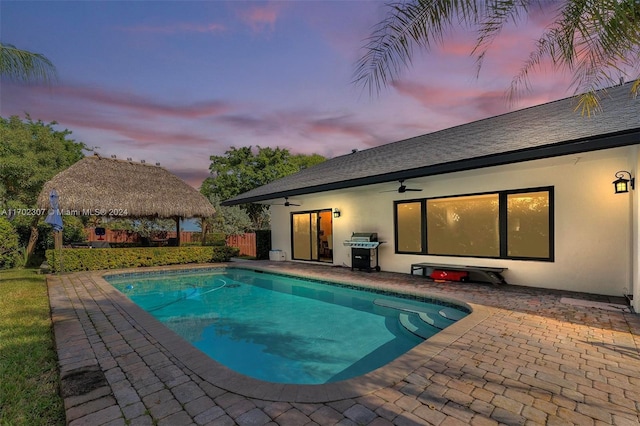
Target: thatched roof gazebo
{"x": 100, "y": 186}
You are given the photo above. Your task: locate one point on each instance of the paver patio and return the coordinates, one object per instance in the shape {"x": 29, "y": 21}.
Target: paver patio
{"x": 522, "y": 357}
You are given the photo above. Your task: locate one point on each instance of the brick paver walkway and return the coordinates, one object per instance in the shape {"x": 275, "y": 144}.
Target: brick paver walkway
{"x": 524, "y": 358}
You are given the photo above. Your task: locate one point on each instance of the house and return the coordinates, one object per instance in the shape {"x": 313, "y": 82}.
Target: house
{"x": 530, "y": 191}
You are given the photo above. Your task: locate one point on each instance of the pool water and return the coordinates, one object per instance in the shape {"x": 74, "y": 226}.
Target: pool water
{"x": 283, "y": 329}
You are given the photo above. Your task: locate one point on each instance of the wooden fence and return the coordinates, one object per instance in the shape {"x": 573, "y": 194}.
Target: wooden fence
{"x": 122, "y": 236}
{"x": 246, "y": 242}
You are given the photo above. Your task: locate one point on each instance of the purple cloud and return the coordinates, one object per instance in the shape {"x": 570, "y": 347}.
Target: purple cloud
{"x": 177, "y": 28}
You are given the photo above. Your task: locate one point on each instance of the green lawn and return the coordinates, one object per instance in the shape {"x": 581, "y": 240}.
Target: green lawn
{"x": 28, "y": 368}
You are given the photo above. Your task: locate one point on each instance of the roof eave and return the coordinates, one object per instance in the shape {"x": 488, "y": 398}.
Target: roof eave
{"x": 596, "y": 143}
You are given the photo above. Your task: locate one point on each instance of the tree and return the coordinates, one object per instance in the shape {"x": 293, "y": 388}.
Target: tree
{"x": 9, "y": 250}
{"x": 243, "y": 169}
{"x": 228, "y": 220}
{"x": 598, "y": 41}
{"x": 21, "y": 65}
{"x": 31, "y": 153}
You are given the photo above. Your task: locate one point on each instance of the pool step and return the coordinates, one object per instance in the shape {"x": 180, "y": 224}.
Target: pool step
{"x": 452, "y": 314}
{"x": 444, "y": 318}
{"x": 433, "y": 321}
{"x": 416, "y": 326}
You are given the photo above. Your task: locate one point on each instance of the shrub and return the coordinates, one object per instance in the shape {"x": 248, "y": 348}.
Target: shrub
{"x": 96, "y": 259}
{"x": 124, "y": 245}
{"x": 9, "y": 248}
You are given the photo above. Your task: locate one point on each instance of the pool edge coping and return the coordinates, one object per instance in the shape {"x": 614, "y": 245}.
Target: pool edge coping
{"x": 225, "y": 378}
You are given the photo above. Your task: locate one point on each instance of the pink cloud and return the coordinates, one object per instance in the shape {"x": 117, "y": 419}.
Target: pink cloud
{"x": 152, "y": 123}
{"x": 303, "y": 125}
{"x": 261, "y": 18}
{"x": 137, "y": 133}
{"x": 193, "y": 177}
{"x": 429, "y": 96}
{"x": 126, "y": 122}
{"x": 454, "y": 105}
{"x": 177, "y": 28}
{"x": 342, "y": 127}
{"x": 505, "y": 54}
{"x": 457, "y": 46}
{"x": 438, "y": 97}
{"x": 145, "y": 137}
{"x": 102, "y": 98}
{"x": 509, "y": 43}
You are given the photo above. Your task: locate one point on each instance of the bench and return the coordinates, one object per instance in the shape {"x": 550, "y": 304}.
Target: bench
{"x": 493, "y": 275}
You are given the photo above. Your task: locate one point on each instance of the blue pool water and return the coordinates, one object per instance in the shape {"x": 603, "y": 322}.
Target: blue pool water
{"x": 283, "y": 329}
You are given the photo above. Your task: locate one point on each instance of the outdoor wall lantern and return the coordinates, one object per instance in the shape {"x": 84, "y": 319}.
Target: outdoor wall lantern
{"x": 621, "y": 184}
{"x": 336, "y": 213}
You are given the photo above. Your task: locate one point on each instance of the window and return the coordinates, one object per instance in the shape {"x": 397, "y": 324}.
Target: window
{"x": 409, "y": 227}
{"x": 464, "y": 226}
{"x": 507, "y": 224}
{"x": 528, "y": 225}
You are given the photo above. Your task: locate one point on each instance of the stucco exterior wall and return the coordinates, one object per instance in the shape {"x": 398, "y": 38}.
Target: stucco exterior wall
{"x": 593, "y": 226}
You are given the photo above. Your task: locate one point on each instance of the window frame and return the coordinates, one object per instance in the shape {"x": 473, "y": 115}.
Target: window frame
{"x": 423, "y": 224}
{"x": 502, "y": 223}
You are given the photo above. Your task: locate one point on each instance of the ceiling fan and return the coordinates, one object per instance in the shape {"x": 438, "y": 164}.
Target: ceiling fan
{"x": 403, "y": 188}
{"x": 286, "y": 203}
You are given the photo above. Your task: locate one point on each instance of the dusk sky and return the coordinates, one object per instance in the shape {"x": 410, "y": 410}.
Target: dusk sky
{"x": 178, "y": 81}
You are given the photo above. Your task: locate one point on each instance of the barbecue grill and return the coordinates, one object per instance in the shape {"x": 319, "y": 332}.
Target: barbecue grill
{"x": 364, "y": 248}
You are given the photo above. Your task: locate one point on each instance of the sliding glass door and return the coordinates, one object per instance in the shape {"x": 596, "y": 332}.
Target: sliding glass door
{"x": 312, "y": 235}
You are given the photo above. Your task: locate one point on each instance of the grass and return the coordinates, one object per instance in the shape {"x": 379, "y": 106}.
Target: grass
{"x": 28, "y": 364}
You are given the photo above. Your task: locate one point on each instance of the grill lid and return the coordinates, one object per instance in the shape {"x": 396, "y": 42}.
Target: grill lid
{"x": 364, "y": 236}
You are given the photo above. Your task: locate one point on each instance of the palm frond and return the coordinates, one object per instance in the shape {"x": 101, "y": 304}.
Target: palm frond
{"x": 493, "y": 18}
{"x": 597, "y": 41}
{"x": 21, "y": 65}
{"x": 635, "y": 87}
{"x": 555, "y": 43}
{"x": 588, "y": 103}
{"x": 419, "y": 22}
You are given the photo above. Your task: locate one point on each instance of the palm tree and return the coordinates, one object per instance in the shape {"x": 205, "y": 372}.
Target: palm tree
{"x": 21, "y": 65}
{"x": 598, "y": 41}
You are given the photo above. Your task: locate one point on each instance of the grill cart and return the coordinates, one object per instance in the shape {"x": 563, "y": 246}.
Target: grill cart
{"x": 364, "y": 248}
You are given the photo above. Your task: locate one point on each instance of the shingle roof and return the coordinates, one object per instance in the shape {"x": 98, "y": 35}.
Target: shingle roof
{"x": 541, "y": 131}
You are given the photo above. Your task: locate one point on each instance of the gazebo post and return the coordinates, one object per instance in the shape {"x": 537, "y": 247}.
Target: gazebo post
{"x": 177, "y": 219}
{"x": 57, "y": 240}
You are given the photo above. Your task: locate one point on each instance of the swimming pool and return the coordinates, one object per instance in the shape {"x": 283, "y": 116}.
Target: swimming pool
{"x": 283, "y": 329}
